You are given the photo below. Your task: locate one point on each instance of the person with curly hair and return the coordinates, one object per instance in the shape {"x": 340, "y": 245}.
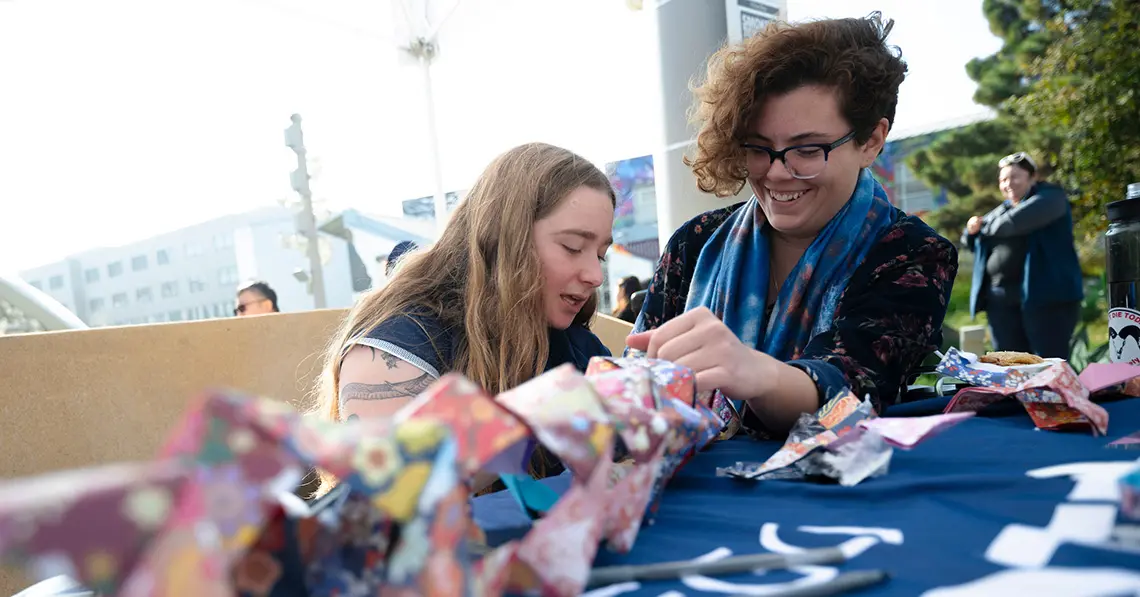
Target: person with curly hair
{"x": 817, "y": 284}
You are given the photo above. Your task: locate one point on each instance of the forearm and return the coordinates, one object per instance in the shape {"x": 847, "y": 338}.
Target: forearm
{"x": 792, "y": 393}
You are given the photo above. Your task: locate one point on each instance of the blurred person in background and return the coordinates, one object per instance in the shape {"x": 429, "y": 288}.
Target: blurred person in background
{"x": 1027, "y": 276}
{"x": 256, "y": 298}
{"x": 401, "y": 249}
{"x": 623, "y": 306}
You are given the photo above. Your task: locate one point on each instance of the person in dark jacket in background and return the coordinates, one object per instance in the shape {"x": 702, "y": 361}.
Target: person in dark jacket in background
{"x": 402, "y": 248}
{"x": 1027, "y": 277}
{"x": 624, "y": 309}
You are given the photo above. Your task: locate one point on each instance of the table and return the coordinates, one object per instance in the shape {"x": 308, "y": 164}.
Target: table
{"x": 989, "y": 495}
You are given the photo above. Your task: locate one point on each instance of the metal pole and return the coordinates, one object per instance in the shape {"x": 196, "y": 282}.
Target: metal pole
{"x": 424, "y": 50}
{"x": 308, "y": 218}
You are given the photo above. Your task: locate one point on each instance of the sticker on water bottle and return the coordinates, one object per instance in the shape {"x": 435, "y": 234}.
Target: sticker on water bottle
{"x": 1124, "y": 336}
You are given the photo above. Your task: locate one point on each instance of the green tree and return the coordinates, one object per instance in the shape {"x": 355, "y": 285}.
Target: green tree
{"x": 964, "y": 161}
{"x": 1086, "y": 88}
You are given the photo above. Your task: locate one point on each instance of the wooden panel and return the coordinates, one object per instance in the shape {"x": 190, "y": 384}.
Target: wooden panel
{"x": 77, "y": 398}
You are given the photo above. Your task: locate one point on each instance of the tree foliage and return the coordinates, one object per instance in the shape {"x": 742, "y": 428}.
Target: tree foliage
{"x": 1065, "y": 86}
{"x": 1086, "y": 87}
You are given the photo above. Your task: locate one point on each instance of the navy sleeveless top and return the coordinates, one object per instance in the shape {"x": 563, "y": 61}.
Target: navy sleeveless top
{"x": 423, "y": 341}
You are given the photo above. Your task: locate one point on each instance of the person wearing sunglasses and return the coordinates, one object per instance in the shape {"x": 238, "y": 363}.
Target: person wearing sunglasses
{"x": 256, "y": 298}
{"x": 817, "y": 283}
{"x": 1027, "y": 276}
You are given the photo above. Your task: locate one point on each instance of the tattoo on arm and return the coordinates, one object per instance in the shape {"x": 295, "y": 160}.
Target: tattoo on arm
{"x": 385, "y": 390}
{"x": 391, "y": 361}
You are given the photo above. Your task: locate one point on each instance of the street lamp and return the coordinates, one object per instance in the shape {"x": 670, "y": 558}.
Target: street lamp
{"x": 424, "y": 49}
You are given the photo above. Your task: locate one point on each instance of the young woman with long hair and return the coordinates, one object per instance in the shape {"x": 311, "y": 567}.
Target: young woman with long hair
{"x": 505, "y": 294}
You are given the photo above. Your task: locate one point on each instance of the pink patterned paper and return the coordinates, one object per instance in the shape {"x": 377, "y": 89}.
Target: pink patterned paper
{"x": 1099, "y": 376}
{"x": 561, "y": 547}
{"x": 908, "y": 432}
{"x": 566, "y": 415}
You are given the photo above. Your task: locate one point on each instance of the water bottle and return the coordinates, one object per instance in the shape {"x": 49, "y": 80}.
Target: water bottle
{"x": 1122, "y": 272}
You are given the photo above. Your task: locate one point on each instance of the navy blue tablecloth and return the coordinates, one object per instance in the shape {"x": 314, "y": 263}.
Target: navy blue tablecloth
{"x": 933, "y": 517}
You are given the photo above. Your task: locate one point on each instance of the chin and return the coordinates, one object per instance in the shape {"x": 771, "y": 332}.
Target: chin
{"x": 559, "y": 321}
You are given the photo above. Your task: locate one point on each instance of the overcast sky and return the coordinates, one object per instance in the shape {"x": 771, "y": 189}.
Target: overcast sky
{"x": 122, "y": 119}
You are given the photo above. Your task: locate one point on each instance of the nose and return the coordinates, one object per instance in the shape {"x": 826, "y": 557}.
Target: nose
{"x": 592, "y": 273}
{"x": 778, "y": 172}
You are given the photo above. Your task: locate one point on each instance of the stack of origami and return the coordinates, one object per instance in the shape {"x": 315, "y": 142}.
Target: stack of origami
{"x": 215, "y": 513}
{"x": 1053, "y": 394}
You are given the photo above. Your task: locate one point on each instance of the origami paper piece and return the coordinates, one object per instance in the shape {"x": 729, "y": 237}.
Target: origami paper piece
{"x": 843, "y": 440}
{"x": 1099, "y": 377}
{"x": 1130, "y": 494}
{"x": 811, "y": 432}
{"x": 1054, "y": 396}
{"x": 1128, "y": 442}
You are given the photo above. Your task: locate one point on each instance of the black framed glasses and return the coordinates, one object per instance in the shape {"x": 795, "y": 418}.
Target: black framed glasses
{"x": 802, "y": 161}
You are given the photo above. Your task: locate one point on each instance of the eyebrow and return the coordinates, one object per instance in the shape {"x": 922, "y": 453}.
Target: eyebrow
{"x": 586, "y": 234}
{"x": 794, "y": 139}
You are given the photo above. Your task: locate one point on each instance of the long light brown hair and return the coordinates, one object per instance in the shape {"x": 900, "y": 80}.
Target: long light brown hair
{"x": 482, "y": 279}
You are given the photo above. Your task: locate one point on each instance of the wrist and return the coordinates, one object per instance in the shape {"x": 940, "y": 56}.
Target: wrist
{"x": 765, "y": 376}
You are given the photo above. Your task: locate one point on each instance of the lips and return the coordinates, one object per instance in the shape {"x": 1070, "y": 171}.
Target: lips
{"x": 785, "y": 196}
{"x": 574, "y": 301}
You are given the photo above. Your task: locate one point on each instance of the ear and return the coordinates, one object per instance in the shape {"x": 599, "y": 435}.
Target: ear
{"x": 875, "y": 144}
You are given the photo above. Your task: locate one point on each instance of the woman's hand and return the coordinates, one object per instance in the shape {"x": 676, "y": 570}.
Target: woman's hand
{"x": 700, "y": 341}
{"x": 974, "y": 225}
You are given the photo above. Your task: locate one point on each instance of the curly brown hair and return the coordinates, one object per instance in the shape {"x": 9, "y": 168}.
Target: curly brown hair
{"x": 849, "y": 55}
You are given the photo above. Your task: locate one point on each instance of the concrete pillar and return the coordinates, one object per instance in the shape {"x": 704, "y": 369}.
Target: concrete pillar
{"x": 688, "y": 32}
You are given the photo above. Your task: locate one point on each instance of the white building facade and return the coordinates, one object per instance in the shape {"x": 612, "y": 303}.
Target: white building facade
{"x": 193, "y": 273}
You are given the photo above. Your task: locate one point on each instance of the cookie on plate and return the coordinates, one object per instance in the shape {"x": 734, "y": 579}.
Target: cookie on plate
{"x": 1009, "y": 358}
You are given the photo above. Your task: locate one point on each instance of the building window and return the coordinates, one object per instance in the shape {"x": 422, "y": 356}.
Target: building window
{"x": 196, "y": 285}
{"x": 36, "y": 284}
{"x": 144, "y": 295}
{"x": 223, "y": 241}
{"x": 193, "y": 249}
{"x": 228, "y": 275}
{"x": 114, "y": 269}
{"x": 95, "y": 305}
{"x": 138, "y": 263}
{"x": 175, "y": 316}
{"x": 55, "y": 282}
{"x": 119, "y": 299}
{"x": 162, "y": 257}
{"x": 169, "y": 290}
{"x": 91, "y": 275}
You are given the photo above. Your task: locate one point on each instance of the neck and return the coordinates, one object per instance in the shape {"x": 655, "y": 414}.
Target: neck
{"x": 786, "y": 251}
{"x": 784, "y": 246}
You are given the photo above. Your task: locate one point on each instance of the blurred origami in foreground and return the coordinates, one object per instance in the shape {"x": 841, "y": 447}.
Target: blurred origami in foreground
{"x": 215, "y": 514}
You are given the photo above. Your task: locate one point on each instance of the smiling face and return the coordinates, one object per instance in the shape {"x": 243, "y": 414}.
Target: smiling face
{"x": 572, "y": 242}
{"x": 1015, "y": 182}
{"x": 809, "y": 114}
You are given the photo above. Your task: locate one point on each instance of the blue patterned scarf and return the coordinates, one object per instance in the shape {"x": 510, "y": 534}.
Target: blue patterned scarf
{"x": 732, "y": 272}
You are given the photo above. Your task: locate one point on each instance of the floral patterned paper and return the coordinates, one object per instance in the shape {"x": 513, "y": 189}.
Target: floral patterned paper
{"x": 214, "y": 515}
{"x": 1054, "y": 397}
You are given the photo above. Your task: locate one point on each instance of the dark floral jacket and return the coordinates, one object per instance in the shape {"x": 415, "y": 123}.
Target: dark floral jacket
{"x": 888, "y": 320}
